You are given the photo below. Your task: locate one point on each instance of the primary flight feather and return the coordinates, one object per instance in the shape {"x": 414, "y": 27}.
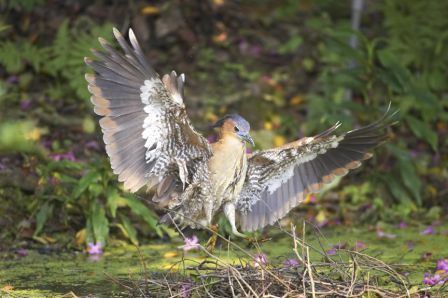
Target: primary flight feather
{"x": 151, "y": 142}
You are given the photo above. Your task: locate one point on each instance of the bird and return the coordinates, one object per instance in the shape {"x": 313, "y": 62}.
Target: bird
{"x": 151, "y": 143}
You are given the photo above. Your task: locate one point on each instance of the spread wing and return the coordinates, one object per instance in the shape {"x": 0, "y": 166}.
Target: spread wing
{"x": 146, "y": 129}
{"x": 279, "y": 179}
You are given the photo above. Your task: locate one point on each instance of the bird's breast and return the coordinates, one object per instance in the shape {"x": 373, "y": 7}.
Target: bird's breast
{"x": 227, "y": 167}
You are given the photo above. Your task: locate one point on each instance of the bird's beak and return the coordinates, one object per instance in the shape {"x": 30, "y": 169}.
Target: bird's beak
{"x": 248, "y": 139}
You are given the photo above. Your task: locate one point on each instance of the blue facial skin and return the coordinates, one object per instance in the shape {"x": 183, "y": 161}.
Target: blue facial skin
{"x": 242, "y": 127}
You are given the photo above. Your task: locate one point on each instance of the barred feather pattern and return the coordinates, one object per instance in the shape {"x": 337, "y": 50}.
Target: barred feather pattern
{"x": 146, "y": 130}
{"x": 279, "y": 179}
{"x": 188, "y": 207}
{"x": 270, "y": 168}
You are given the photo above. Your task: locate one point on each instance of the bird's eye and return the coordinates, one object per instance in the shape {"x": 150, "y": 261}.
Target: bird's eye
{"x": 237, "y": 129}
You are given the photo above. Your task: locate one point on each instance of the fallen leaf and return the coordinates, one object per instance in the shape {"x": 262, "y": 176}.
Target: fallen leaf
{"x": 170, "y": 254}
{"x": 268, "y": 125}
{"x": 80, "y": 237}
{"x": 279, "y": 141}
{"x": 7, "y": 288}
{"x": 220, "y": 38}
{"x": 33, "y": 135}
{"x": 150, "y": 10}
{"x": 296, "y": 100}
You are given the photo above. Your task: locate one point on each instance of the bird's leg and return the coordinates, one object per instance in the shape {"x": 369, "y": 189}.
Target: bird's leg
{"x": 229, "y": 211}
{"x": 211, "y": 243}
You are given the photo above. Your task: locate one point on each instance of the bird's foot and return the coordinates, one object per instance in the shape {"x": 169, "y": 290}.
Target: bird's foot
{"x": 211, "y": 243}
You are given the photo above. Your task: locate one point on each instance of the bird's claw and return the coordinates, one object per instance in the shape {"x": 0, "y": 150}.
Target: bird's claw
{"x": 211, "y": 243}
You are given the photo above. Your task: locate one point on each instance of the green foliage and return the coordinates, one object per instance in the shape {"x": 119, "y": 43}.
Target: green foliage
{"x": 45, "y": 211}
{"x": 16, "y": 137}
{"x": 291, "y": 45}
{"x": 15, "y": 56}
{"x": 98, "y": 189}
{"x": 417, "y": 34}
{"x": 423, "y": 131}
{"x": 63, "y": 59}
{"x": 26, "y": 5}
{"x": 128, "y": 229}
{"x": 69, "y": 49}
{"x": 289, "y": 69}
{"x": 405, "y": 67}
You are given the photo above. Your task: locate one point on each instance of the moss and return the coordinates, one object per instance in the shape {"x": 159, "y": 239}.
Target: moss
{"x": 56, "y": 274}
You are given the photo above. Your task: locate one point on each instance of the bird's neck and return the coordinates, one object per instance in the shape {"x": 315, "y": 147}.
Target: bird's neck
{"x": 227, "y": 166}
{"x": 230, "y": 139}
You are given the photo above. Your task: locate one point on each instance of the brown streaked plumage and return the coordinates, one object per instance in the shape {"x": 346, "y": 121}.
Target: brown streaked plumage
{"x": 151, "y": 142}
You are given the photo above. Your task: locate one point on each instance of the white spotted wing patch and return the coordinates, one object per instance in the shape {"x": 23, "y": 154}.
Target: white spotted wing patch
{"x": 147, "y": 133}
{"x": 149, "y": 90}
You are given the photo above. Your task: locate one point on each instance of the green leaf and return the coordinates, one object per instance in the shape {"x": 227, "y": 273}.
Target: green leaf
{"x": 42, "y": 216}
{"x": 87, "y": 180}
{"x": 428, "y": 104}
{"x": 291, "y": 45}
{"x": 128, "y": 229}
{"x": 90, "y": 238}
{"x": 399, "y": 152}
{"x": 64, "y": 165}
{"x": 410, "y": 179}
{"x": 148, "y": 216}
{"x": 397, "y": 190}
{"x": 13, "y": 137}
{"x": 398, "y": 75}
{"x": 99, "y": 222}
{"x": 114, "y": 200}
{"x": 423, "y": 131}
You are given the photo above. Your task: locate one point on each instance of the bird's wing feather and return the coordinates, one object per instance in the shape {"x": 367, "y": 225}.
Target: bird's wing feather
{"x": 146, "y": 129}
{"x": 279, "y": 179}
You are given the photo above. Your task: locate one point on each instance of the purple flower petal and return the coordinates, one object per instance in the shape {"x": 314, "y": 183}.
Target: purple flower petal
{"x": 442, "y": 264}
{"x": 334, "y": 248}
{"x": 92, "y": 145}
{"x": 360, "y": 245}
{"x": 186, "y": 290}
{"x": 402, "y": 225}
{"x": 332, "y": 251}
{"x": 12, "y": 79}
{"x": 95, "y": 248}
{"x": 191, "y": 243}
{"x": 427, "y": 280}
{"x": 428, "y": 231}
{"x": 336, "y": 222}
{"x": 22, "y": 252}
{"x": 260, "y": 260}
{"x": 25, "y": 104}
{"x": 63, "y": 156}
{"x": 291, "y": 263}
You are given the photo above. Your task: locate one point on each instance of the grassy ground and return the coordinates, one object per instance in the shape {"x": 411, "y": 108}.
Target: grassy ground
{"x": 44, "y": 273}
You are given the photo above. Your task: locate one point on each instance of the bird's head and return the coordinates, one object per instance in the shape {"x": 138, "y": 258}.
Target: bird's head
{"x": 236, "y": 125}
